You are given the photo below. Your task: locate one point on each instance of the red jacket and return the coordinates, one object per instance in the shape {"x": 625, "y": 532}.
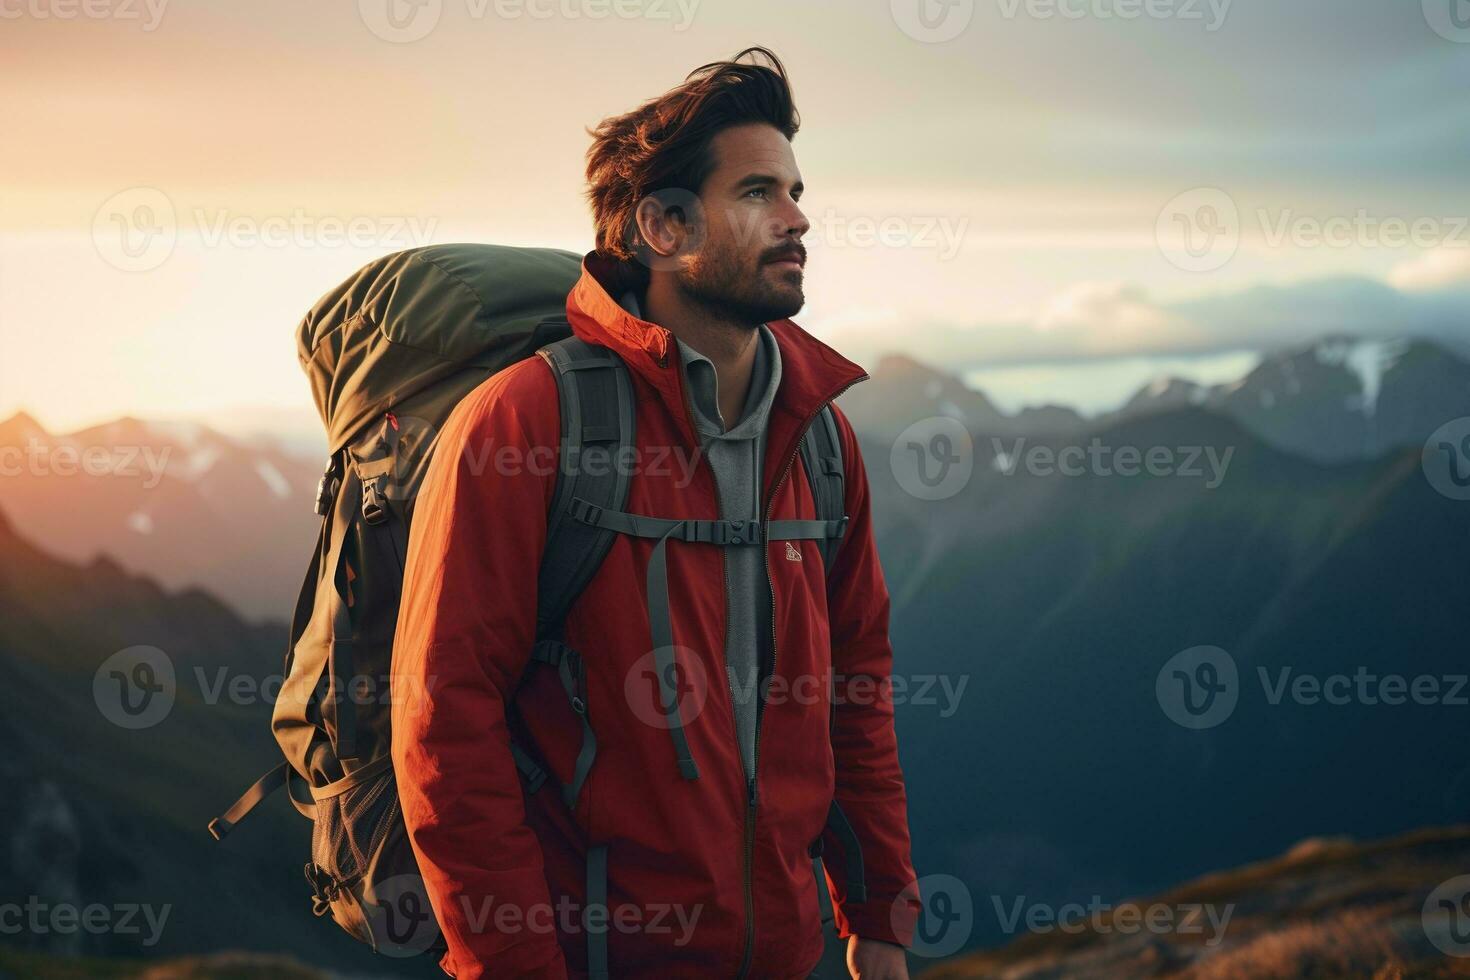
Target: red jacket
{"x": 502, "y": 866}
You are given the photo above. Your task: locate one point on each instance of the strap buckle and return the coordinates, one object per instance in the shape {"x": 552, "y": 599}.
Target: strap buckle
{"x": 326, "y": 488}
{"x": 737, "y": 532}
{"x": 374, "y": 504}
{"x": 586, "y": 512}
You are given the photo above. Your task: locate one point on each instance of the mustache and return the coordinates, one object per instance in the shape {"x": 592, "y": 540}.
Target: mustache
{"x": 796, "y": 251}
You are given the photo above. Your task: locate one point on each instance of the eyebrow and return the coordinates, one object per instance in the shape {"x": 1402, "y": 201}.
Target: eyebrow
{"x": 756, "y": 180}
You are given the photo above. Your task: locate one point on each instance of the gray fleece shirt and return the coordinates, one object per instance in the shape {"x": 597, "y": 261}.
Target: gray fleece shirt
{"x": 735, "y": 454}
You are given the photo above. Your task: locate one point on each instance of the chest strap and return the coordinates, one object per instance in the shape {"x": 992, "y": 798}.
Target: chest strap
{"x": 718, "y": 532}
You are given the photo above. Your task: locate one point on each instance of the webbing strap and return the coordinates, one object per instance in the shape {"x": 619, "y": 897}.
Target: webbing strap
{"x": 533, "y": 773}
{"x": 664, "y": 663}
{"x": 249, "y": 800}
{"x": 344, "y": 740}
{"x": 596, "y": 898}
{"x": 572, "y": 671}
{"x": 695, "y": 531}
{"x": 549, "y": 652}
{"x": 353, "y": 779}
{"x": 263, "y": 787}
{"x": 305, "y": 596}
{"x": 339, "y": 665}
{"x": 824, "y": 896}
{"x": 573, "y": 681}
{"x": 852, "y": 853}
{"x": 641, "y": 526}
{"x": 806, "y": 530}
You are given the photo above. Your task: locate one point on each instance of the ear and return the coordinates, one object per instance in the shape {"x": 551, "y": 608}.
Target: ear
{"x": 661, "y": 225}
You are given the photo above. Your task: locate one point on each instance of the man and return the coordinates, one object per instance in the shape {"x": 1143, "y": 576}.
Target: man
{"x": 705, "y": 857}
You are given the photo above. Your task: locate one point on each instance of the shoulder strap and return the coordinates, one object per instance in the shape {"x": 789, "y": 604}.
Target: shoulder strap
{"x": 597, "y": 417}
{"x": 821, "y": 455}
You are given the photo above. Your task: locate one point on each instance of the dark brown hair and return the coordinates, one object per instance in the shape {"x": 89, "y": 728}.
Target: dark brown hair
{"x": 664, "y": 143}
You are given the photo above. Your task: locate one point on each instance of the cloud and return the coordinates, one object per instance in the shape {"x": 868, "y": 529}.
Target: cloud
{"x": 1107, "y": 314}
{"x": 1437, "y": 269}
{"x": 1092, "y": 320}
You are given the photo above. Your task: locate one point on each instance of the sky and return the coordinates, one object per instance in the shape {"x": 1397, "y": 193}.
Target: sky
{"x": 1061, "y": 197}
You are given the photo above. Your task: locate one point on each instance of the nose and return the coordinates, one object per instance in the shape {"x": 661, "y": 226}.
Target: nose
{"x": 797, "y": 224}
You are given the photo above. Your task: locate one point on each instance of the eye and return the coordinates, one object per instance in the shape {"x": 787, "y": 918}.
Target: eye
{"x": 757, "y": 191}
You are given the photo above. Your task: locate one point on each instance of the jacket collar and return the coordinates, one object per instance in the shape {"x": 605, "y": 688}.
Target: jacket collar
{"x": 812, "y": 373}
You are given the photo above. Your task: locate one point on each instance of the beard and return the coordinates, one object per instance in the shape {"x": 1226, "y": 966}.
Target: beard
{"x": 740, "y": 290}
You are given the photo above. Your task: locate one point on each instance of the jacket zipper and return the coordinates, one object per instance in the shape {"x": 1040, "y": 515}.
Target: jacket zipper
{"x": 748, "y": 833}
{"x": 752, "y": 798}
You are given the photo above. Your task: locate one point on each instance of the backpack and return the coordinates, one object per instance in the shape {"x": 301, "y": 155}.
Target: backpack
{"x": 389, "y": 353}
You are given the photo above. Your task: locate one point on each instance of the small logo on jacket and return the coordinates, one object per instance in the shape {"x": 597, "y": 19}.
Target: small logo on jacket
{"x": 792, "y": 552}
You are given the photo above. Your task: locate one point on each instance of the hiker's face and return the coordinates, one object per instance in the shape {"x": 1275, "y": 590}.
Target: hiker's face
{"x": 747, "y": 259}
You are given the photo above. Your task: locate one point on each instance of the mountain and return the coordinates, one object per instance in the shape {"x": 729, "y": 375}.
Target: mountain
{"x": 178, "y": 502}
{"x": 1337, "y": 399}
{"x": 95, "y": 812}
{"x": 1329, "y": 909}
{"x": 1049, "y": 605}
{"x": 902, "y": 391}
